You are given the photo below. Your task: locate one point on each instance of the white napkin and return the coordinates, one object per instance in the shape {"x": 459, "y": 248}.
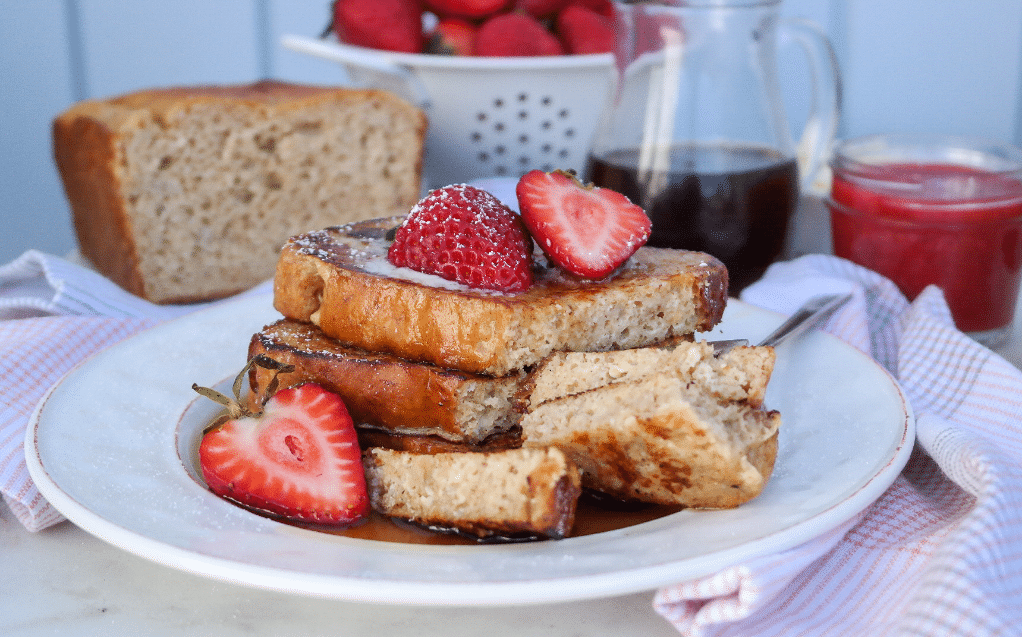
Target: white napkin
{"x": 940, "y": 553}
{"x": 54, "y": 314}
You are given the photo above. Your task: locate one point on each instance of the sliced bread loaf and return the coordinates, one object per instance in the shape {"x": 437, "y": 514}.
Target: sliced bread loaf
{"x": 187, "y": 194}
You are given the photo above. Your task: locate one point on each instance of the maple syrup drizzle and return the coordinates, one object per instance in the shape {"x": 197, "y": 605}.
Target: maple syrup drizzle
{"x": 593, "y": 515}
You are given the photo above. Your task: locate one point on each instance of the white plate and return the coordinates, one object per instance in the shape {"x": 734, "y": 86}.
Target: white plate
{"x": 105, "y": 448}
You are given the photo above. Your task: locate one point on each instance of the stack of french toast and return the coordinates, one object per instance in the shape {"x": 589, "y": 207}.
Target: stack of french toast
{"x": 488, "y": 413}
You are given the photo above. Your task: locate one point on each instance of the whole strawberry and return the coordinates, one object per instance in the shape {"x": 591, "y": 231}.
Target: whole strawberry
{"x": 466, "y": 8}
{"x": 586, "y": 230}
{"x": 516, "y": 35}
{"x": 585, "y": 31}
{"x": 391, "y": 25}
{"x": 602, "y": 7}
{"x": 299, "y": 458}
{"x": 541, "y": 8}
{"x": 465, "y": 234}
{"x": 452, "y": 36}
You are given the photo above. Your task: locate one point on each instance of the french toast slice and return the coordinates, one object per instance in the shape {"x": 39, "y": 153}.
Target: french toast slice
{"x": 740, "y": 374}
{"x": 669, "y": 426}
{"x": 521, "y": 491}
{"x": 503, "y": 440}
{"x": 385, "y": 392}
{"x": 339, "y": 279}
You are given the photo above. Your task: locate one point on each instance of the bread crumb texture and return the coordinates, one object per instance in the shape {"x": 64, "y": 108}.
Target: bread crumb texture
{"x": 741, "y": 374}
{"x": 672, "y": 426}
{"x": 516, "y": 491}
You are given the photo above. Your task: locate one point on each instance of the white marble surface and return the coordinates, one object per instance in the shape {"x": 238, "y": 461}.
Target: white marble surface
{"x": 62, "y": 581}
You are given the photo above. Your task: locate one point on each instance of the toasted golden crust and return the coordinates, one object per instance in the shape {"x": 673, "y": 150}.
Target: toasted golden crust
{"x": 339, "y": 279}
{"x": 186, "y": 194}
{"x": 85, "y": 152}
{"x": 520, "y": 491}
{"x": 384, "y": 391}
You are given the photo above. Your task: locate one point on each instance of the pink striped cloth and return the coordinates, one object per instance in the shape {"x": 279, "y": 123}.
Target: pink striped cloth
{"x": 940, "y": 553}
{"x": 54, "y": 314}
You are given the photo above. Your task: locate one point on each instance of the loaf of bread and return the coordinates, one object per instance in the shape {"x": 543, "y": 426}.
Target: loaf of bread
{"x": 387, "y": 392}
{"x": 507, "y": 493}
{"x": 339, "y": 279}
{"x": 678, "y": 427}
{"x": 187, "y": 194}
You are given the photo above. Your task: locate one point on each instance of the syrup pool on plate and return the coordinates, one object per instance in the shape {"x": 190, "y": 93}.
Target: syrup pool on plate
{"x": 930, "y": 219}
{"x": 592, "y": 516}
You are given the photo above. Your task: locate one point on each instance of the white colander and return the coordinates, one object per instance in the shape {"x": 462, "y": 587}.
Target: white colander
{"x": 488, "y": 116}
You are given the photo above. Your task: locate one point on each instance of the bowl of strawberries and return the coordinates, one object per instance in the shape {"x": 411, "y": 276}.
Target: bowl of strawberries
{"x": 508, "y": 85}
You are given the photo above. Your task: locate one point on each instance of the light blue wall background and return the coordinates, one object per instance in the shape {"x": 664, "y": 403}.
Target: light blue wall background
{"x": 930, "y": 65}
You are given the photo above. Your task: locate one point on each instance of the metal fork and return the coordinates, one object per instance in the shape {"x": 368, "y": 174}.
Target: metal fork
{"x": 810, "y": 314}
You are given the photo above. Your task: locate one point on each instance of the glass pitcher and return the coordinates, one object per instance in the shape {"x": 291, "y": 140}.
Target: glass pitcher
{"x": 696, "y": 132}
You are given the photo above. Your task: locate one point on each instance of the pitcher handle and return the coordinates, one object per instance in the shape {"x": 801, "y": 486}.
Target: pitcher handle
{"x": 818, "y": 135}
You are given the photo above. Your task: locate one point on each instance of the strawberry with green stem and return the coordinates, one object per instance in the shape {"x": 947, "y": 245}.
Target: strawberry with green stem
{"x": 295, "y": 456}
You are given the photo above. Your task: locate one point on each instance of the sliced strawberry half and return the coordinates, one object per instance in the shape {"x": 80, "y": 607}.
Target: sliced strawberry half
{"x": 586, "y": 230}
{"x": 298, "y": 459}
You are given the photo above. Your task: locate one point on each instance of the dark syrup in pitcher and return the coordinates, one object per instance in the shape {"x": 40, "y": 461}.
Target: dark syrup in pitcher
{"x": 733, "y": 202}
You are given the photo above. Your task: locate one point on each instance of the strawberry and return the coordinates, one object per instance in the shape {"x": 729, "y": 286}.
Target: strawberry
{"x": 603, "y": 7}
{"x": 541, "y": 8}
{"x": 466, "y": 8}
{"x": 392, "y": 25}
{"x": 585, "y": 31}
{"x": 586, "y": 230}
{"x": 465, "y": 234}
{"x": 298, "y": 458}
{"x": 516, "y": 35}
{"x": 452, "y": 36}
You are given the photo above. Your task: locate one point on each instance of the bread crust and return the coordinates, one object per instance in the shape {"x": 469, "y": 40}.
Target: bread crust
{"x": 103, "y": 173}
{"x": 338, "y": 279}
{"x": 386, "y": 392}
{"x": 85, "y": 153}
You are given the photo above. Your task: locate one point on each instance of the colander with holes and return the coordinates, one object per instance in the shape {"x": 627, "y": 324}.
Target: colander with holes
{"x": 488, "y": 116}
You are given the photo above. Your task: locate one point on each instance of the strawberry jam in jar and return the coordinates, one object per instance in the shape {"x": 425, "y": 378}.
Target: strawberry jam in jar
{"x": 935, "y": 210}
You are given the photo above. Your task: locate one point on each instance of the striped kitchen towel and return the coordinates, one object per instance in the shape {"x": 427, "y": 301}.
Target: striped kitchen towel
{"x": 940, "y": 553}
{"x": 54, "y": 314}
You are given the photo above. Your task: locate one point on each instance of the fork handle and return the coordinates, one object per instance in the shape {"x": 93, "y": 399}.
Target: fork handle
{"x": 812, "y": 312}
